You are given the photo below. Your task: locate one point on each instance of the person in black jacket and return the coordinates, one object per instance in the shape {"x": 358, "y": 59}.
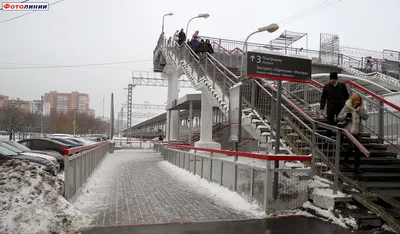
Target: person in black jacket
{"x": 181, "y": 37}
{"x": 335, "y": 95}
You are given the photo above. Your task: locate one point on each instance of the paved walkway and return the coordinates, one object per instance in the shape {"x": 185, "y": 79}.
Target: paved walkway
{"x": 261, "y": 226}
{"x": 130, "y": 188}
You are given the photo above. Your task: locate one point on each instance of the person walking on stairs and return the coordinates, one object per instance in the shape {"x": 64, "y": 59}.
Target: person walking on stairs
{"x": 334, "y": 95}
{"x": 351, "y": 117}
{"x": 181, "y": 37}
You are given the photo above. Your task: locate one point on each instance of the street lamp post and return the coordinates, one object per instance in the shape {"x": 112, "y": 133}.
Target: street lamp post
{"x": 270, "y": 28}
{"x": 169, "y": 14}
{"x": 74, "y": 122}
{"x": 41, "y": 116}
{"x": 205, "y": 16}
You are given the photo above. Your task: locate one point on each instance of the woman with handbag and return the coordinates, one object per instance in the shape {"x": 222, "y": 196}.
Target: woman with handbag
{"x": 351, "y": 118}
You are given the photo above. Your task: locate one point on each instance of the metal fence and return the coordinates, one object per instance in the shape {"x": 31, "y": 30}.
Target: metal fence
{"x": 274, "y": 189}
{"x": 79, "y": 164}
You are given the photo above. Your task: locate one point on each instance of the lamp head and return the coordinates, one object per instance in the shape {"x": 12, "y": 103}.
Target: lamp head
{"x": 270, "y": 28}
{"x": 205, "y": 15}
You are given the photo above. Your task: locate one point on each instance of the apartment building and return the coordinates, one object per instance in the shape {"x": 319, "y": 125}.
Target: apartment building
{"x": 35, "y": 105}
{"x": 63, "y": 103}
{"x": 19, "y": 104}
{"x": 3, "y": 100}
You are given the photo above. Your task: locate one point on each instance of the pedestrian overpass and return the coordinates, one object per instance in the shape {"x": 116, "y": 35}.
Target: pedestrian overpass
{"x": 197, "y": 129}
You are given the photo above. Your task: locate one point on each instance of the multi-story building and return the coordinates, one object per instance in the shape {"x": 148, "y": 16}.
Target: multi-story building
{"x": 34, "y": 106}
{"x": 3, "y": 100}
{"x": 46, "y": 109}
{"x": 68, "y": 102}
{"x": 20, "y": 104}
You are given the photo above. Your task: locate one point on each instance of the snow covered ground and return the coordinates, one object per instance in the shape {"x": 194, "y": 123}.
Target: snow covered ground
{"x": 30, "y": 202}
{"x": 215, "y": 191}
{"x": 221, "y": 194}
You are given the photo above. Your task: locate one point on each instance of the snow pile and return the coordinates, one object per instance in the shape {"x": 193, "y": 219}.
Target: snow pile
{"x": 387, "y": 228}
{"x": 321, "y": 187}
{"x": 328, "y": 214}
{"x": 318, "y": 182}
{"x": 218, "y": 193}
{"x": 327, "y": 192}
{"x": 30, "y": 202}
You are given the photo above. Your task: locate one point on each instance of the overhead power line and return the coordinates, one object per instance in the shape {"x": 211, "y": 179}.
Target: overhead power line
{"x": 41, "y": 66}
{"x": 30, "y": 12}
{"x": 307, "y": 12}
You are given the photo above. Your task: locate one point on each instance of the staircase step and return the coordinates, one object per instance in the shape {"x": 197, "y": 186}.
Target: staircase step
{"x": 300, "y": 143}
{"x": 373, "y": 168}
{"x": 367, "y": 140}
{"x": 293, "y": 136}
{"x": 394, "y": 192}
{"x": 305, "y": 150}
{"x": 375, "y": 176}
{"x": 373, "y": 146}
{"x": 363, "y": 217}
{"x": 381, "y": 185}
{"x": 374, "y": 161}
{"x": 373, "y": 153}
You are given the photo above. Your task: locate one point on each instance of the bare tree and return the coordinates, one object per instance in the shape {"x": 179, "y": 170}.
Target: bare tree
{"x": 11, "y": 119}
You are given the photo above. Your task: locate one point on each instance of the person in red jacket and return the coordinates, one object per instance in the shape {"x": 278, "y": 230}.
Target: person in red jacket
{"x": 334, "y": 95}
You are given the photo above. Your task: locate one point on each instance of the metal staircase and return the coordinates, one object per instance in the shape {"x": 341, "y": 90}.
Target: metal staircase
{"x": 206, "y": 73}
{"x": 303, "y": 131}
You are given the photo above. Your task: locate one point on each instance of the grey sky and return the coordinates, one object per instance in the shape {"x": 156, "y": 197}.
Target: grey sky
{"x": 86, "y": 32}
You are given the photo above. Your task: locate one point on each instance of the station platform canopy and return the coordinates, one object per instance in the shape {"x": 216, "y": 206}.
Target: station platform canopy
{"x": 286, "y": 39}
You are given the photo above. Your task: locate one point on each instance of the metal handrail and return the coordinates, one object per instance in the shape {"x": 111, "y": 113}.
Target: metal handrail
{"x": 357, "y": 86}
{"x": 314, "y": 123}
{"x": 327, "y": 126}
{"x": 373, "y": 98}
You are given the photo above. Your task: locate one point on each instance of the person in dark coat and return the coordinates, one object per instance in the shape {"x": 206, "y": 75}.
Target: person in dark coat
{"x": 182, "y": 37}
{"x": 209, "y": 48}
{"x": 160, "y": 135}
{"x": 334, "y": 95}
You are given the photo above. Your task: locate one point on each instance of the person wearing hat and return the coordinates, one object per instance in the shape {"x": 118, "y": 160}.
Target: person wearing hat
{"x": 334, "y": 95}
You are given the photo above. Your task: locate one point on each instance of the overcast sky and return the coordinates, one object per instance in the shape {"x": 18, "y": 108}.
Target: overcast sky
{"x": 88, "y": 31}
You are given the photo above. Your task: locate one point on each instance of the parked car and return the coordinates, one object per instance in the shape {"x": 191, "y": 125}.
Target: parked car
{"x": 79, "y": 140}
{"x": 59, "y": 135}
{"x": 59, "y": 157}
{"x": 45, "y": 144}
{"x": 66, "y": 141}
{"x": 103, "y": 137}
{"x": 94, "y": 139}
{"x": 44, "y": 164}
{"x": 20, "y": 152}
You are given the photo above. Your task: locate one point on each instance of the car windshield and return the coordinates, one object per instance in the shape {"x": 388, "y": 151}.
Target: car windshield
{"x": 7, "y": 152}
{"x": 11, "y": 148}
{"x": 18, "y": 146}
